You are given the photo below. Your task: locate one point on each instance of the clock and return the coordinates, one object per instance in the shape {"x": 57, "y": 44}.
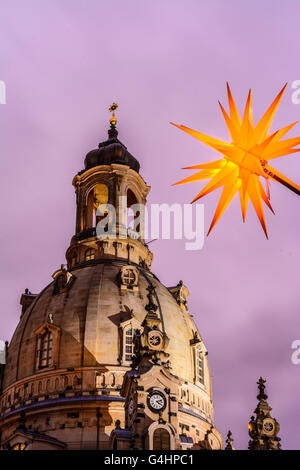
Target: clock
{"x": 156, "y": 401}
{"x": 154, "y": 339}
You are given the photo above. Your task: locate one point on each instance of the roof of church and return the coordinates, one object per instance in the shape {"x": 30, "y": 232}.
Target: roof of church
{"x": 111, "y": 151}
{"x": 95, "y": 294}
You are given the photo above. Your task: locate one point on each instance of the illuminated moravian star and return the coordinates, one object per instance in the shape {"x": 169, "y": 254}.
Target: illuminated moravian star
{"x": 245, "y": 160}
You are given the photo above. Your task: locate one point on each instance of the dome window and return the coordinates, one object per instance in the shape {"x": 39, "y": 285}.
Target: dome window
{"x": 127, "y": 332}
{"x": 199, "y": 365}
{"x": 128, "y": 345}
{"x": 45, "y": 353}
{"x": 47, "y": 346}
{"x": 73, "y": 259}
{"x": 89, "y": 254}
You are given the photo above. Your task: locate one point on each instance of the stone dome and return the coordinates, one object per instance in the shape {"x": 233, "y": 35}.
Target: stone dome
{"x": 89, "y": 316}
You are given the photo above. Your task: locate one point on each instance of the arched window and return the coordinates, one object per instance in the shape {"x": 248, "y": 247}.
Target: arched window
{"x": 127, "y": 332}
{"x": 89, "y": 254}
{"x": 47, "y": 337}
{"x": 97, "y": 195}
{"x": 76, "y": 381}
{"x": 161, "y": 439}
{"x": 199, "y": 366}
{"x": 128, "y": 344}
{"x": 133, "y": 216}
{"x": 45, "y": 350}
{"x": 48, "y": 385}
{"x": 100, "y": 196}
{"x": 73, "y": 259}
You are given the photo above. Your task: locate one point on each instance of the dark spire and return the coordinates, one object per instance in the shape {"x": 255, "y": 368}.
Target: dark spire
{"x": 229, "y": 441}
{"x": 263, "y": 429}
{"x": 261, "y": 387}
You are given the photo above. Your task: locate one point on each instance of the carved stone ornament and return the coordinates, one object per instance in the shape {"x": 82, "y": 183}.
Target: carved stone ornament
{"x": 63, "y": 280}
{"x": 129, "y": 277}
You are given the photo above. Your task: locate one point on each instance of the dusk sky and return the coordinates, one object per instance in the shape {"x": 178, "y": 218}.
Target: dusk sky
{"x": 64, "y": 62}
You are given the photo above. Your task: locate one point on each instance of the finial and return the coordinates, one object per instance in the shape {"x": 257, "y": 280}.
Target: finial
{"x": 229, "y": 441}
{"x": 112, "y": 132}
{"x": 113, "y": 119}
{"x": 261, "y": 387}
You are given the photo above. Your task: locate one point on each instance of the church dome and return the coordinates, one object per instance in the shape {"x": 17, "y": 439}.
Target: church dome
{"x": 90, "y": 315}
{"x": 111, "y": 151}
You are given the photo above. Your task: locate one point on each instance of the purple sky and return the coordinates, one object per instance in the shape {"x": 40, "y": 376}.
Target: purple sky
{"x": 64, "y": 62}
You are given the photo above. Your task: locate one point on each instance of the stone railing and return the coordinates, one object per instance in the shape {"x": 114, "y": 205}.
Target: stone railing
{"x": 59, "y": 384}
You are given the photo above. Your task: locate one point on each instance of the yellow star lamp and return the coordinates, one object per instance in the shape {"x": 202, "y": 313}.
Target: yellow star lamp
{"x": 245, "y": 160}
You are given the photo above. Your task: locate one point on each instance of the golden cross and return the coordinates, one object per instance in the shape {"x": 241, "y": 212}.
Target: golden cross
{"x": 113, "y": 119}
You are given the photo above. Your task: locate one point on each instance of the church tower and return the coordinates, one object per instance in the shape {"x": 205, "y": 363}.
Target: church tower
{"x": 106, "y": 356}
{"x": 110, "y": 180}
{"x": 263, "y": 429}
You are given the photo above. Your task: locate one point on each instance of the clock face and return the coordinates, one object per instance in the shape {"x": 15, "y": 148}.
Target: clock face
{"x": 154, "y": 340}
{"x": 156, "y": 401}
{"x": 268, "y": 426}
